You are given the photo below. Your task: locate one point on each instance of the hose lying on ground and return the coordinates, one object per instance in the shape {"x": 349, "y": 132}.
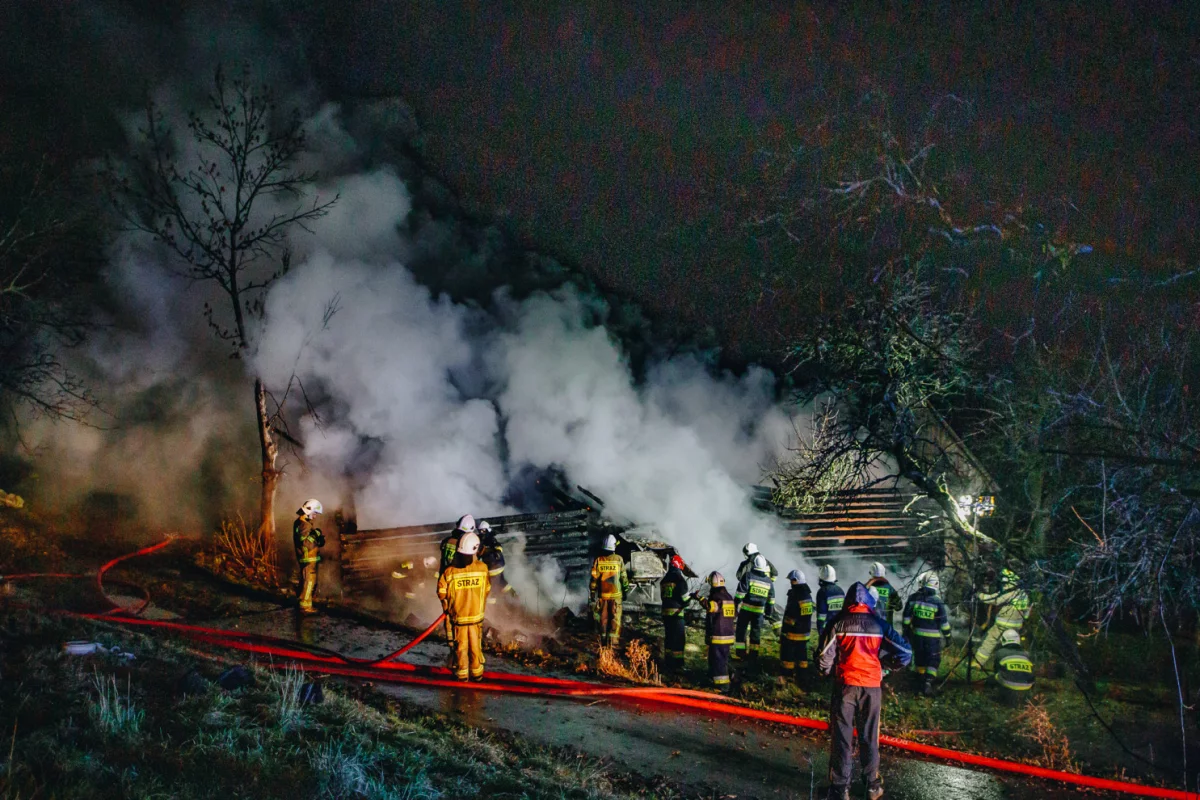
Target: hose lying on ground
{"x": 388, "y": 670}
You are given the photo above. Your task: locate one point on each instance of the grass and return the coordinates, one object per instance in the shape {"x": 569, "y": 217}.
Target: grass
{"x": 100, "y": 728}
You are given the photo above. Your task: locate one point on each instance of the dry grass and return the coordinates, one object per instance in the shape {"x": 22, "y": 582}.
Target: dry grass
{"x": 1035, "y": 725}
{"x": 640, "y": 669}
{"x": 240, "y": 549}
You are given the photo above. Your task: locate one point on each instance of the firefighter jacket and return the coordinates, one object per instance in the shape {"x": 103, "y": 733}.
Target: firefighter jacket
{"x": 889, "y": 598}
{"x": 1014, "y": 669}
{"x": 748, "y": 564}
{"x": 307, "y": 538}
{"x": 829, "y": 602}
{"x": 610, "y": 581}
{"x": 721, "y": 620}
{"x": 756, "y": 594}
{"x": 860, "y": 644}
{"x": 925, "y": 615}
{"x": 1012, "y": 606}
{"x": 463, "y": 592}
{"x": 798, "y": 613}
{"x": 674, "y": 591}
{"x": 493, "y": 557}
{"x": 448, "y": 548}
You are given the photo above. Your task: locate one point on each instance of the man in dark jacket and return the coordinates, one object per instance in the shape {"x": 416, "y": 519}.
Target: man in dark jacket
{"x": 927, "y": 624}
{"x": 719, "y": 623}
{"x": 829, "y": 596}
{"x": 797, "y": 627}
{"x": 889, "y": 599}
{"x": 859, "y": 645}
{"x": 491, "y": 553}
{"x": 1014, "y": 669}
{"x": 674, "y": 591}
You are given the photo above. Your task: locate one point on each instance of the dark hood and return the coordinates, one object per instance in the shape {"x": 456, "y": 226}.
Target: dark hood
{"x": 858, "y": 595}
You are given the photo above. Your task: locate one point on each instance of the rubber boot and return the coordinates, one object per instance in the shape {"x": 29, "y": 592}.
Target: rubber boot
{"x": 875, "y": 791}
{"x": 927, "y": 686}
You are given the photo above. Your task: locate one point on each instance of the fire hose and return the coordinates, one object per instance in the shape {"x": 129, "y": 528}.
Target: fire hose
{"x": 388, "y": 670}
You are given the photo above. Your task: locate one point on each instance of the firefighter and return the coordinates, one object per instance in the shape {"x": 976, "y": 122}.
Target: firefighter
{"x": 755, "y": 597}
{"x": 889, "y": 598}
{"x": 492, "y": 554}
{"x": 674, "y": 591}
{"x": 463, "y": 589}
{"x": 309, "y": 540}
{"x": 797, "y": 627}
{"x": 1012, "y": 609}
{"x": 449, "y": 545}
{"x": 407, "y": 580}
{"x": 610, "y": 584}
{"x": 719, "y": 624}
{"x": 829, "y": 597}
{"x": 1014, "y": 668}
{"x": 926, "y": 624}
{"x": 859, "y": 644}
{"x": 750, "y": 551}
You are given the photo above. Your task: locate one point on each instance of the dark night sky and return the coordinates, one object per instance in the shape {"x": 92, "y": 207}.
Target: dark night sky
{"x": 625, "y": 138}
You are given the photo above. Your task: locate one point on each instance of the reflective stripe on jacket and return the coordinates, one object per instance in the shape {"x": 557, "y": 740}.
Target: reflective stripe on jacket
{"x": 925, "y": 614}
{"x": 493, "y": 557}
{"x": 756, "y": 594}
{"x": 798, "y": 614}
{"x": 1012, "y": 607}
{"x": 674, "y": 590}
{"x": 307, "y": 539}
{"x": 748, "y": 564}
{"x": 449, "y": 548}
{"x": 610, "y": 581}
{"x": 463, "y": 592}
{"x": 829, "y": 602}
{"x": 1014, "y": 669}
{"x": 721, "y": 620}
{"x": 856, "y": 641}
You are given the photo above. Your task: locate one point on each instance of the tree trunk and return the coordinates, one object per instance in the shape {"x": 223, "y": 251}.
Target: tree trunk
{"x": 270, "y": 475}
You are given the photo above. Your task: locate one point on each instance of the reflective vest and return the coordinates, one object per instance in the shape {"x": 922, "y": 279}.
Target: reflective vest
{"x": 925, "y": 615}
{"x": 889, "y": 598}
{"x": 307, "y": 538}
{"x": 755, "y": 593}
{"x": 610, "y": 581}
{"x": 463, "y": 592}
{"x": 721, "y": 620}
{"x": 449, "y": 549}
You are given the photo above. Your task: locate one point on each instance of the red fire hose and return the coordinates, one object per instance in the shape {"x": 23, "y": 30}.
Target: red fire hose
{"x": 387, "y": 670}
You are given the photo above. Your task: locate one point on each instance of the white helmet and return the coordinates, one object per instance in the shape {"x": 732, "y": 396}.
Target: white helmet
{"x": 750, "y": 549}
{"x": 1010, "y": 636}
{"x": 430, "y": 562}
{"x": 610, "y": 543}
{"x": 878, "y": 570}
{"x": 312, "y": 507}
{"x": 827, "y": 573}
{"x": 796, "y": 576}
{"x": 468, "y": 545}
{"x": 930, "y": 581}
{"x": 466, "y": 524}
{"x": 760, "y": 563}
{"x": 485, "y": 526}
{"x": 716, "y": 579}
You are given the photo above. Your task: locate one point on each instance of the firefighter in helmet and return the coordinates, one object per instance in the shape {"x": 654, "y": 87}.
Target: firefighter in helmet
{"x": 609, "y": 585}
{"x": 797, "y": 627}
{"x": 750, "y": 551}
{"x": 463, "y": 589}
{"x": 674, "y": 591}
{"x": 719, "y": 629}
{"x": 927, "y": 626}
{"x": 829, "y": 596}
{"x": 1014, "y": 668}
{"x": 492, "y": 554}
{"x": 449, "y": 545}
{"x": 889, "y": 598}
{"x": 308, "y": 540}
{"x": 1012, "y": 609}
{"x": 755, "y": 597}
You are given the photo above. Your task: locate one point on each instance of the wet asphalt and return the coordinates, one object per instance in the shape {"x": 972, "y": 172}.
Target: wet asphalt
{"x": 737, "y": 758}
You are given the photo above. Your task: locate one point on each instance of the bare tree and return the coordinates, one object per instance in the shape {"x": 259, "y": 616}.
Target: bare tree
{"x": 41, "y": 271}
{"x": 224, "y": 208}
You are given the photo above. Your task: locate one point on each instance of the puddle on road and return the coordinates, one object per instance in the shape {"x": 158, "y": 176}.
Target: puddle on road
{"x": 744, "y": 759}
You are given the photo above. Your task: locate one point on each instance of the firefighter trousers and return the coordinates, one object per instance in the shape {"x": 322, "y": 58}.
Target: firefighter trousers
{"x": 793, "y": 653}
{"x": 927, "y": 654}
{"x": 608, "y": 615}
{"x": 468, "y": 651}
{"x": 991, "y": 640}
{"x": 674, "y": 639}
{"x": 854, "y": 707}
{"x": 753, "y": 621}
{"x": 308, "y": 585}
{"x": 718, "y": 664}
